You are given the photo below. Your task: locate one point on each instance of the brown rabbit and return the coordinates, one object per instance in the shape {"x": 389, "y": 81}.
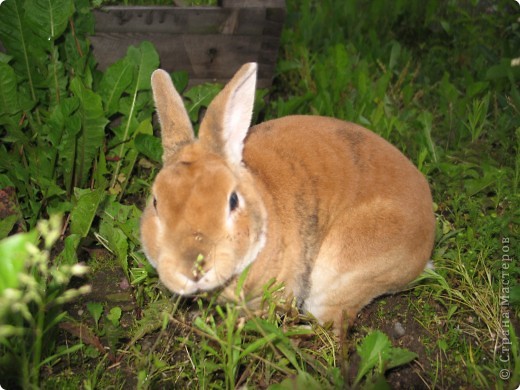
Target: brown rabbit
{"x": 327, "y": 207}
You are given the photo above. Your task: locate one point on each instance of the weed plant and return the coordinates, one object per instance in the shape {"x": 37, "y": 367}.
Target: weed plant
{"x": 437, "y": 79}
{"x": 33, "y": 292}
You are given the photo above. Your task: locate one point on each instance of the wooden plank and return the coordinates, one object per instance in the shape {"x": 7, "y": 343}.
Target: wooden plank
{"x": 253, "y": 3}
{"x": 208, "y": 42}
{"x": 216, "y": 57}
{"x": 178, "y": 20}
{"x": 209, "y": 56}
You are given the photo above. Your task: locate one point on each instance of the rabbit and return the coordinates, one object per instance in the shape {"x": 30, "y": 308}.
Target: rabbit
{"x": 326, "y": 207}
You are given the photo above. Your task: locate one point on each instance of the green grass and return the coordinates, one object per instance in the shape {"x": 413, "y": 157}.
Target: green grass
{"x": 435, "y": 80}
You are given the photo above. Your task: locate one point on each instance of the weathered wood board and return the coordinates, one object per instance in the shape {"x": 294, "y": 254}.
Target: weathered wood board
{"x": 210, "y": 43}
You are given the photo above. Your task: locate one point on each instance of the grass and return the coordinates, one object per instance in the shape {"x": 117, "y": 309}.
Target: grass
{"x": 435, "y": 80}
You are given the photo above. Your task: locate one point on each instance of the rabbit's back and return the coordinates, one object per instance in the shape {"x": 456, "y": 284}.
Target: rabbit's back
{"x": 332, "y": 162}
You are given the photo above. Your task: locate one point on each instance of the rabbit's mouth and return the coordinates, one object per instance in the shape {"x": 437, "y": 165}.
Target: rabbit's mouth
{"x": 188, "y": 285}
{"x": 204, "y": 283}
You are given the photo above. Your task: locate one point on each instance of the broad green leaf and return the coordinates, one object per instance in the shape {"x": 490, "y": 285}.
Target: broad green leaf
{"x": 502, "y": 70}
{"x": 13, "y": 255}
{"x": 149, "y": 146}
{"x": 374, "y": 347}
{"x": 20, "y": 42}
{"x": 200, "y": 96}
{"x": 4, "y": 58}
{"x": 122, "y": 133}
{"x": 10, "y": 107}
{"x": 95, "y": 309}
{"x": 61, "y": 130}
{"x": 41, "y": 167}
{"x": 377, "y": 383}
{"x": 49, "y": 186}
{"x": 10, "y": 123}
{"x": 145, "y": 127}
{"x": 59, "y": 121}
{"x": 180, "y": 80}
{"x": 69, "y": 253}
{"x": 475, "y": 88}
{"x": 93, "y": 122}
{"x": 8, "y": 92}
{"x": 145, "y": 60}
{"x": 56, "y": 79}
{"x": 74, "y": 49}
{"x": 14, "y": 33}
{"x": 5, "y": 181}
{"x": 68, "y": 148}
{"x": 101, "y": 171}
{"x": 119, "y": 228}
{"x": 115, "y": 315}
{"x": 126, "y": 169}
{"x": 48, "y": 18}
{"x": 86, "y": 204}
{"x": 115, "y": 81}
{"x": 17, "y": 175}
{"x": 376, "y": 351}
{"x": 7, "y": 224}
{"x": 399, "y": 357}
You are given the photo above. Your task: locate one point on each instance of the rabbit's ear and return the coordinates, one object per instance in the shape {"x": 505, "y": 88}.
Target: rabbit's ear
{"x": 176, "y": 127}
{"x": 228, "y": 117}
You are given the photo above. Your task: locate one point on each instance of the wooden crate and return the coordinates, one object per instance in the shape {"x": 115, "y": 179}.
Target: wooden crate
{"x": 210, "y": 43}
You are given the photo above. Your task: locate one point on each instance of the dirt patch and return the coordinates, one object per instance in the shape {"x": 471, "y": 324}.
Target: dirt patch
{"x": 392, "y": 316}
{"x": 10, "y": 215}
{"x": 7, "y": 202}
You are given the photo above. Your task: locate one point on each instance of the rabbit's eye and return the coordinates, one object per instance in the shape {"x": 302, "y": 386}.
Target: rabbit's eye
{"x": 155, "y": 203}
{"x": 233, "y": 201}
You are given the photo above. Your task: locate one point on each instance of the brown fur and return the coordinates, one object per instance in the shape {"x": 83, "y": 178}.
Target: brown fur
{"x": 327, "y": 207}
